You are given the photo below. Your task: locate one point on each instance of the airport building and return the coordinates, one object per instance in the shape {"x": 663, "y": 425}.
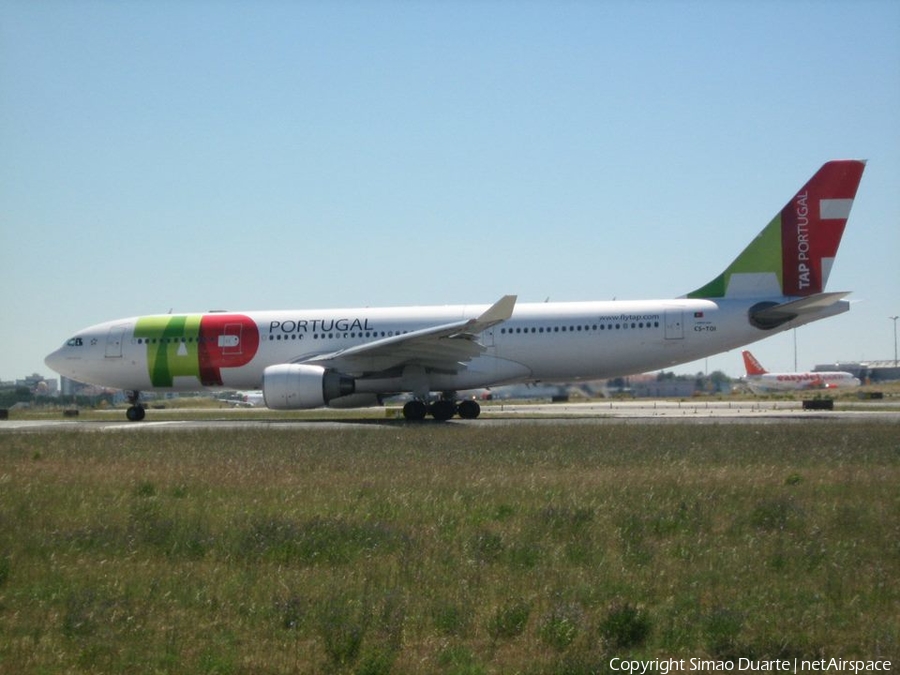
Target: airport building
{"x": 868, "y": 372}
{"x": 37, "y": 384}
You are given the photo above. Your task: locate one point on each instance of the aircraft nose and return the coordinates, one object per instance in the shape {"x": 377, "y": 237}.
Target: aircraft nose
{"x": 55, "y": 361}
{"x": 51, "y": 360}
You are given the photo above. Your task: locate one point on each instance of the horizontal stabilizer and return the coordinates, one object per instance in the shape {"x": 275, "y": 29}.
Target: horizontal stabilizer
{"x": 766, "y": 315}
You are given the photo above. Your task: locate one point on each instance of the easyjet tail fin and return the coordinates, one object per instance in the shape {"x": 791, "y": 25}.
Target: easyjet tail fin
{"x": 752, "y": 365}
{"x": 794, "y": 253}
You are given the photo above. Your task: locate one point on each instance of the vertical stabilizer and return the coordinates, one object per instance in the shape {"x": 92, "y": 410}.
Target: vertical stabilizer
{"x": 794, "y": 253}
{"x": 752, "y": 365}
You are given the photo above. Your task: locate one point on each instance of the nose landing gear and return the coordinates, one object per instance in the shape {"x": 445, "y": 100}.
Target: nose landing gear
{"x": 135, "y": 412}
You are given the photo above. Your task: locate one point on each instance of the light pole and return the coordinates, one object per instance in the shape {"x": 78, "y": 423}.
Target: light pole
{"x": 795, "y": 349}
{"x": 894, "y": 319}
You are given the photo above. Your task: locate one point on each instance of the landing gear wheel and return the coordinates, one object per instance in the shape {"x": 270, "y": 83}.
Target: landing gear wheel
{"x": 415, "y": 411}
{"x": 469, "y": 409}
{"x": 135, "y": 413}
{"x": 443, "y": 410}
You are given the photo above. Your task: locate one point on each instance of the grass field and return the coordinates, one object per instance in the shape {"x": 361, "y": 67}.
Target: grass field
{"x": 447, "y": 549}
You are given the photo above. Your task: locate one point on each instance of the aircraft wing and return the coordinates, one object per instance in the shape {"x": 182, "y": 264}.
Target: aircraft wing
{"x": 444, "y": 348}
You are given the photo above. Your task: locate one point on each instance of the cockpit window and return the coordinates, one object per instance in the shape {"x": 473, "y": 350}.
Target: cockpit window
{"x": 75, "y": 342}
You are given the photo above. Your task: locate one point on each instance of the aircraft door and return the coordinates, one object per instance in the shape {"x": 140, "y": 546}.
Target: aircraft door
{"x": 114, "y": 341}
{"x": 674, "y": 324}
{"x": 230, "y": 339}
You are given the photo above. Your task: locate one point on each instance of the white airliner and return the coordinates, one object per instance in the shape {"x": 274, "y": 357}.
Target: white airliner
{"x": 761, "y": 381}
{"x": 246, "y": 399}
{"x": 354, "y": 357}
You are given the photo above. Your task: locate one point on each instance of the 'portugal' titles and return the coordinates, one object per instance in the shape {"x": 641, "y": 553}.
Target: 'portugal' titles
{"x": 319, "y": 326}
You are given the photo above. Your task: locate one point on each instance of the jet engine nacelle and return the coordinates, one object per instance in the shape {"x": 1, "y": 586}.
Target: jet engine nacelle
{"x": 291, "y": 386}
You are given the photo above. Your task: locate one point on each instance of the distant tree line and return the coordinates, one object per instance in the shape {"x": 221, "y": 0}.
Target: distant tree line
{"x": 10, "y": 396}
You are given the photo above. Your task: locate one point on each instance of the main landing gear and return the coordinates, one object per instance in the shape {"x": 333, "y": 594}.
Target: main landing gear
{"x": 135, "y": 412}
{"x": 442, "y": 409}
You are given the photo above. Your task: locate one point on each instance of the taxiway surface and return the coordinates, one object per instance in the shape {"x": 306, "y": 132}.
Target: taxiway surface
{"x": 598, "y": 412}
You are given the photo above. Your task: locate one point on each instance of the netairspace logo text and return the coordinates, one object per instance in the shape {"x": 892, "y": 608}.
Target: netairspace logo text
{"x": 796, "y": 666}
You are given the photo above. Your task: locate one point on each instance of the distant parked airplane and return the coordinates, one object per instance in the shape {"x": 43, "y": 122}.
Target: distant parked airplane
{"x": 247, "y": 399}
{"x": 354, "y": 357}
{"x": 761, "y": 381}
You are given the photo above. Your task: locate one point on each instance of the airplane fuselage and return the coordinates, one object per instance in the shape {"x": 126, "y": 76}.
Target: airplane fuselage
{"x": 775, "y": 382}
{"x": 540, "y": 341}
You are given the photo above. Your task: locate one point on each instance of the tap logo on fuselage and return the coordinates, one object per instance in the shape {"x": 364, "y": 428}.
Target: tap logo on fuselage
{"x": 196, "y": 345}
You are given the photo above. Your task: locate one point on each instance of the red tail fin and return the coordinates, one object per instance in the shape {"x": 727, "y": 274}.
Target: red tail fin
{"x": 752, "y": 365}
{"x": 794, "y": 253}
{"x": 812, "y": 224}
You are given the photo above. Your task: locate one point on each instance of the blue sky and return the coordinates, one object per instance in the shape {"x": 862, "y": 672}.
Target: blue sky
{"x": 264, "y": 155}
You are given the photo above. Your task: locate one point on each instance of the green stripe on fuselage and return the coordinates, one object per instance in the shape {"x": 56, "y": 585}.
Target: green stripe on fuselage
{"x": 172, "y": 347}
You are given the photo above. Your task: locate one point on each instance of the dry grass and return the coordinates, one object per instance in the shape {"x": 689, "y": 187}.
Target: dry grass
{"x": 445, "y": 549}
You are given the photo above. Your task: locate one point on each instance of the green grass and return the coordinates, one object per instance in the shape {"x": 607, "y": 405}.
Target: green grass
{"x": 448, "y": 549}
